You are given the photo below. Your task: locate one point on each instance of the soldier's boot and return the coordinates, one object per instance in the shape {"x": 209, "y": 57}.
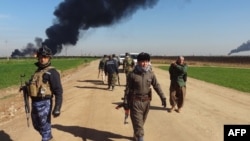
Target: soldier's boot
{"x": 113, "y": 87}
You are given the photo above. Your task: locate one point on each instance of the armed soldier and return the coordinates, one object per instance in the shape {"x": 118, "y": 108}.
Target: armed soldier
{"x": 42, "y": 87}
{"x": 138, "y": 94}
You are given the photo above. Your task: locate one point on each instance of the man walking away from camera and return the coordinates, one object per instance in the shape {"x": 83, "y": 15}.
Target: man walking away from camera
{"x": 101, "y": 68}
{"x": 111, "y": 70}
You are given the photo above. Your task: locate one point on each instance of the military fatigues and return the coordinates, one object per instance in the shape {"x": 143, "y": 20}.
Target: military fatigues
{"x": 128, "y": 65}
{"x": 111, "y": 69}
{"x": 41, "y": 98}
{"x": 178, "y": 77}
{"x": 138, "y": 96}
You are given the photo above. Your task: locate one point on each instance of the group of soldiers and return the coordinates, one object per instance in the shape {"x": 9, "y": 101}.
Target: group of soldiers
{"x": 109, "y": 66}
{"x": 45, "y": 85}
{"x": 138, "y": 93}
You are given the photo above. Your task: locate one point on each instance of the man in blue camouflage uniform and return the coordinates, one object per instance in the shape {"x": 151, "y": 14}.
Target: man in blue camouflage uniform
{"x": 47, "y": 85}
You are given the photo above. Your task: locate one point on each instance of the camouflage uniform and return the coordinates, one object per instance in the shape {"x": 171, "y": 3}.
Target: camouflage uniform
{"x": 111, "y": 70}
{"x": 138, "y": 96}
{"x": 178, "y": 77}
{"x": 128, "y": 64}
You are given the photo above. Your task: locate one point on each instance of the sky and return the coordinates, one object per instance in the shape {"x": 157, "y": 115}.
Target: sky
{"x": 169, "y": 27}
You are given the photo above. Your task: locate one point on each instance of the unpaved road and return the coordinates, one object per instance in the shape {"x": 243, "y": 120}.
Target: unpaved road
{"x": 89, "y": 114}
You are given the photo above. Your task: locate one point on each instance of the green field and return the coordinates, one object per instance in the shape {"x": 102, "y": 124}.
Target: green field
{"x": 12, "y": 69}
{"x": 235, "y": 78}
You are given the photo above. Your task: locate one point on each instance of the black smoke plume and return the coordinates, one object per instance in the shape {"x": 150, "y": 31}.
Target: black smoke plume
{"x": 75, "y": 16}
{"x": 243, "y": 47}
{"x": 28, "y": 50}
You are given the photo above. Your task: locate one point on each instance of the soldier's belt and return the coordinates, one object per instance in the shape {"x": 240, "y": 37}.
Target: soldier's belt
{"x": 41, "y": 98}
{"x": 141, "y": 98}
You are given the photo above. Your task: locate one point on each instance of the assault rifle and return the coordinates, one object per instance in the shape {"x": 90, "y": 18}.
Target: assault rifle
{"x": 118, "y": 79}
{"x": 25, "y": 98}
{"x": 126, "y": 112}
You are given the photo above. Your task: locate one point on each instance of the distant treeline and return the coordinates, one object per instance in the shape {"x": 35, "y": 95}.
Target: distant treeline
{"x": 212, "y": 59}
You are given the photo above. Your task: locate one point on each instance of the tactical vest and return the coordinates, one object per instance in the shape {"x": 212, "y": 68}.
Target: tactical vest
{"x": 36, "y": 86}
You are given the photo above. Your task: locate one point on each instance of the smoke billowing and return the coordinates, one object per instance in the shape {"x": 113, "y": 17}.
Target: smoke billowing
{"x": 243, "y": 47}
{"x": 75, "y": 16}
{"x": 29, "y": 49}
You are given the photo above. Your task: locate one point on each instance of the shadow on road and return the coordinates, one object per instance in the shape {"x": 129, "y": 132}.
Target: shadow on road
{"x": 158, "y": 108}
{"x": 90, "y": 87}
{"x": 4, "y": 136}
{"x": 96, "y": 82}
{"x": 90, "y": 134}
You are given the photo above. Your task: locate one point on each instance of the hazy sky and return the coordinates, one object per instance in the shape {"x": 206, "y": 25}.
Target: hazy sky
{"x": 170, "y": 27}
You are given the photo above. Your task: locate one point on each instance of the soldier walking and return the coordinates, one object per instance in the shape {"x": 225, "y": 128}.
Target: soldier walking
{"x": 138, "y": 94}
{"x": 128, "y": 64}
{"x": 101, "y": 68}
{"x": 111, "y": 70}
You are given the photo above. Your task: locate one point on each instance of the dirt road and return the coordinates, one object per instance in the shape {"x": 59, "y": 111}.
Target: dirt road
{"x": 89, "y": 114}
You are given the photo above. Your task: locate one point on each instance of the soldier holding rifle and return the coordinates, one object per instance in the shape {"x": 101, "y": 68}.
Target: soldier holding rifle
{"x": 44, "y": 84}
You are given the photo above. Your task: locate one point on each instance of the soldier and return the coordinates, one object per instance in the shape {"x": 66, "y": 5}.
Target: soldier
{"x": 178, "y": 77}
{"x": 116, "y": 59}
{"x": 138, "y": 94}
{"x": 128, "y": 64}
{"x": 111, "y": 70}
{"x": 101, "y": 68}
{"x": 42, "y": 87}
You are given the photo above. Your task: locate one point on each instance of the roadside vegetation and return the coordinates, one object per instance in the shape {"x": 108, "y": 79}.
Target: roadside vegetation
{"x": 11, "y": 70}
{"x": 235, "y": 78}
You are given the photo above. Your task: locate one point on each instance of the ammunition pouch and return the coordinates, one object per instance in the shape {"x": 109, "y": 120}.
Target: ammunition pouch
{"x": 36, "y": 86}
{"x": 42, "y": 91}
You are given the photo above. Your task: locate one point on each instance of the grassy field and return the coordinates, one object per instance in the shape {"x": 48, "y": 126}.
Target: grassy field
{"x": 11, "y": 70}
{"x": 235, "y": 78}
